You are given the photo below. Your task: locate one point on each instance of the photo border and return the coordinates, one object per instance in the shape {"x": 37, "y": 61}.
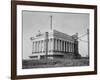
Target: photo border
{"x": 14, "y": 38}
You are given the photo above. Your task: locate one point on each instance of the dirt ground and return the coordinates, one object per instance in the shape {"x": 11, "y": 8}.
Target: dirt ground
{"x": 47, "y": 63}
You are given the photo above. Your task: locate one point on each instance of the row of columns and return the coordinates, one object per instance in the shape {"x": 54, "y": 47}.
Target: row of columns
{"x": 63, "y": 46}
{"x": 53, "y": 45}
{"x": 38, "y": 46}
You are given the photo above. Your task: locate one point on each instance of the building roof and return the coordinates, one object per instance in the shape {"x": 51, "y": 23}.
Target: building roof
{"x": 61, "y": 35}
{"x": 56, "y": 34}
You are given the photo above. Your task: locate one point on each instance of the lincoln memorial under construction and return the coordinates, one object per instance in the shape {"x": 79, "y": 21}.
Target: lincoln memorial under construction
{"x": 51, "y": 47}
{"x": 54, "y": 44}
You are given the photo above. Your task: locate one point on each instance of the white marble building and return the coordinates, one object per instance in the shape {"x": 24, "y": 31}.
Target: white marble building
{"x": 54, "y": 44}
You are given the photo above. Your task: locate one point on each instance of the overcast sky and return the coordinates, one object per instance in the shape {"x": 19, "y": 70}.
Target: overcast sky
{"x": 69, "y": 23}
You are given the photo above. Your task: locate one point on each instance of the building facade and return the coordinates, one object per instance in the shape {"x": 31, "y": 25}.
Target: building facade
{"x": 54, "y": 44}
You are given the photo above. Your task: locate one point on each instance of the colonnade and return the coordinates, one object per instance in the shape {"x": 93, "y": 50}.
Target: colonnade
{"x": 54, "y": 45}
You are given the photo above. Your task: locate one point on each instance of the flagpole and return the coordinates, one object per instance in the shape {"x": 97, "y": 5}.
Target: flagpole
{"x": 51, "y": 22}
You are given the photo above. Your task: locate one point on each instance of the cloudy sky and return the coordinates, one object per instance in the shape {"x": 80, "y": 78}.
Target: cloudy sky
{"x": 69, "y": 23}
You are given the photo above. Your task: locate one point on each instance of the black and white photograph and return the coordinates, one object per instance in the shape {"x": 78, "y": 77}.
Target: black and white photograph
{"x": 55, "y": 39}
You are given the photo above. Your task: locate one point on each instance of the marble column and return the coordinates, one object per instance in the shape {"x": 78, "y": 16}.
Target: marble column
{"x": 42, "y": 46}
{"x": 33, "y": 47}
{"x": 73, "y": 47}
{"x": 49, "y": 44}
{"x": 53, "y": 44}
{"x": 60, "y": 45}
{"x": 63, "y": 46}
{"x": 68, "y": 46}
{"x": 37, "y": 46}
{"x": 57, "y": 45}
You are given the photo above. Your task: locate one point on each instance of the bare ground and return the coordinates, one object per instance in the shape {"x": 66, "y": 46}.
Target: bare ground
{"x": 44, "y": 63}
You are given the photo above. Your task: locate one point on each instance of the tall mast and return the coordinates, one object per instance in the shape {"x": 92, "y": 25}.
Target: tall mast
{"x": 51, "y": 22}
